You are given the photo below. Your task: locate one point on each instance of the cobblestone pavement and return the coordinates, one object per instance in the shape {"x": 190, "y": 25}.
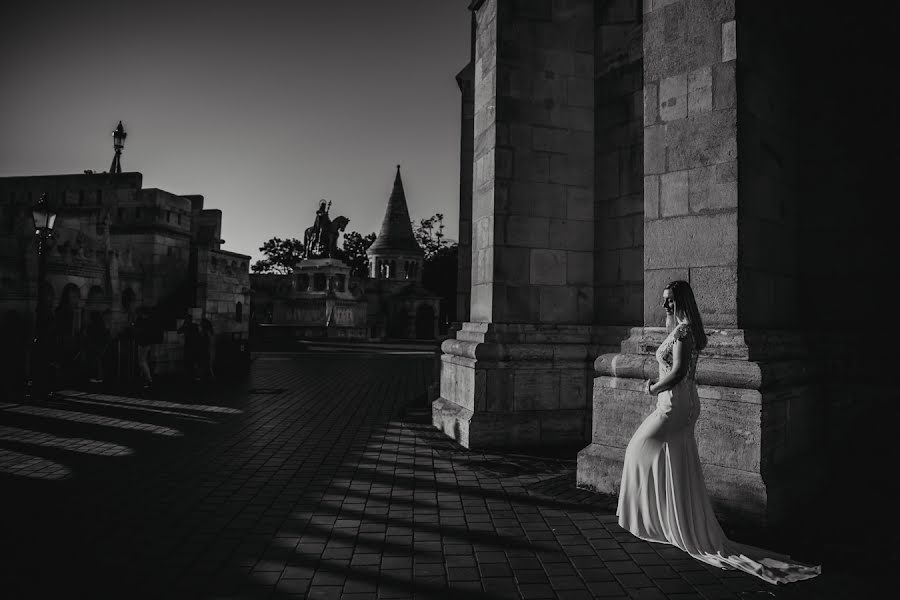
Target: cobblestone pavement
{"x": 310, "y": 479}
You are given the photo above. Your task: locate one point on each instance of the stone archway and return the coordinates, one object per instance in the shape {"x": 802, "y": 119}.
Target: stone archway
{"x": 96, "y": 296}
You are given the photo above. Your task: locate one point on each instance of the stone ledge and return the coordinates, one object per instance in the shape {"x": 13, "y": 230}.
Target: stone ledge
{"x": 532, "y": 343}
{"x": 530, "y": 333}
{"x": 735, "y": 358}
{"x": 742, "y": 374}
{"x": 742, "y": 344}
{"x": 549, "y": 352}
{"x": 483, "y": 430}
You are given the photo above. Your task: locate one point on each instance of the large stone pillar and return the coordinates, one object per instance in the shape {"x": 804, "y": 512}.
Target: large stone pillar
{"x": 720, "y": 211}
{"x": 519, "y": 371}
{"x": 466, "y": 82}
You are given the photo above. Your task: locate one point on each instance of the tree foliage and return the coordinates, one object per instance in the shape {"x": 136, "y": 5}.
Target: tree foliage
{"x": 440, "y": 269}
{"x": 281, "y": 256}
{"x": 354, "y": 254}
{"x": 429, "y": 233}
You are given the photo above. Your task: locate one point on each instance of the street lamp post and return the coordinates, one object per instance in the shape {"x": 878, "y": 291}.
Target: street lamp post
{"x": 44, "y": 219}
{"x": 119, "y": 136}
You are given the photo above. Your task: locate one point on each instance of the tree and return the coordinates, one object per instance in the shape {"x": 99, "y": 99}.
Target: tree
{"x": 354, "y": 252}
{"x": 281, "y": 256}
{"x": 429, "y": 234}
{"x": 441, "y": 258}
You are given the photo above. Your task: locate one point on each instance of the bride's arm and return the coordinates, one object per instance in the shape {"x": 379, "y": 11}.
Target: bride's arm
{"x": 681, "y": 359}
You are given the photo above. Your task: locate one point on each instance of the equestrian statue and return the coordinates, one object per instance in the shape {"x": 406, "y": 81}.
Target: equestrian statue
{"x": 320, "y": 240}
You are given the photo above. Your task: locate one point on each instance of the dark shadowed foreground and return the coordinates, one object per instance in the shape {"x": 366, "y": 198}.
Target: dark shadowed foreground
{"x": 314, "y": 478}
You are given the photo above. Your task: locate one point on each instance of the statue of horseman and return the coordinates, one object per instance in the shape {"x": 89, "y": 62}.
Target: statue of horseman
{"x": 320, "y": 240}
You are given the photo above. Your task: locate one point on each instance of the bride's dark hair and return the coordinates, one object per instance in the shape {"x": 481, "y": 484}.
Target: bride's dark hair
{"x": 684, "y": 301}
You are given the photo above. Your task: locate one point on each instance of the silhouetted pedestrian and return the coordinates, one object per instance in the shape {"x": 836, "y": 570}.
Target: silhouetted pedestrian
{"x": 207, "y": 349}
{"x": 143, "y": 339}
{"x": 97, "y": 341}
{"x": 191, "y": 346}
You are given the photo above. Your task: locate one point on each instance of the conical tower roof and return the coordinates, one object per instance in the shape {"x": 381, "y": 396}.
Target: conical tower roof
{"x": 396, "y": 233}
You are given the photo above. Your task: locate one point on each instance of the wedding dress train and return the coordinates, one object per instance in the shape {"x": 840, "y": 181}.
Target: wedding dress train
{"x": 663, "y": 496}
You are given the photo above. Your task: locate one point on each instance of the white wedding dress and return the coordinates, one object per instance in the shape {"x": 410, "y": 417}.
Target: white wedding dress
{"x": 663, "y": 497}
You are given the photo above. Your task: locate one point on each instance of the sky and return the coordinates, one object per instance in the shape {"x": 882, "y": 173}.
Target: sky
{"x": 262, "y": 106}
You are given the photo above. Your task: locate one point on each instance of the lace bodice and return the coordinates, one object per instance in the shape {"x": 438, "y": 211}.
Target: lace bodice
{"x": 664, "y": 352}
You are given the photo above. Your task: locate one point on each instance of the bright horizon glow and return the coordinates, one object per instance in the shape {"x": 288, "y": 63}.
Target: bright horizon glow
{"x": 262, "y": 108}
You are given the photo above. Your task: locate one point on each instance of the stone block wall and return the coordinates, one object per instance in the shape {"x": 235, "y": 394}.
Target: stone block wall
{"x": 72, "y": 192}
{"x": 619, "y": 197}
{"x": 516, "y": 385}
{"x": 465, "y": 79}
{"x": 155, "y": 208}
{"x": 484, "y": 159}
{"x": 152, "y": 234}
{"x": 207, "y": 226}
{"x": 223, "y": 290}
{"x": 690, "y": 153}
{"x": 532, "y": 213}
{"x": 161, "y": 259}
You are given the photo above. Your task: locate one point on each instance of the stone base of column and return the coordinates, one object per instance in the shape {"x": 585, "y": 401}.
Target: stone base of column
{"x": 761, "y": 424}
{"x": 511, "y": 385}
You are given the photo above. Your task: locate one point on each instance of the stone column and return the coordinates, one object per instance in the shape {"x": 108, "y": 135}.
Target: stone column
{"x": 719, "y": 212}
{"x": 464, "y": 256}
{"x": 518, "y": 372}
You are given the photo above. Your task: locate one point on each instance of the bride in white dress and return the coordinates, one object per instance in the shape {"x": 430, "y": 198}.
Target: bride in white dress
{"x": 663, "y": 497}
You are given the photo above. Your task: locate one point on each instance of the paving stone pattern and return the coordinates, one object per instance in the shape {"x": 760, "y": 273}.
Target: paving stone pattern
{"x": 312, "y": 479}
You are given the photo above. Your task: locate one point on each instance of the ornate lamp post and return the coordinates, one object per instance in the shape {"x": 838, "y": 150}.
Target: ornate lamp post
{"x": 44, "y": 219}
{"x": 119, "y": 136}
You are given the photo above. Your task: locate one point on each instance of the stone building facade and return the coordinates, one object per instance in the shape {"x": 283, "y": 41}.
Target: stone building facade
{"x": 612, "y": 147}
{"x": 118, "y": 246}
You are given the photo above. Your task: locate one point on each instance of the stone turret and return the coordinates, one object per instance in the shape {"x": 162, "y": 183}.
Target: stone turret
{"x": 395, "y": 255}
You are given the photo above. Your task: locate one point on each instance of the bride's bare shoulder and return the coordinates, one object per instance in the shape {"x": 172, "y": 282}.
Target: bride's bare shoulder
{"x": 682, "y": 332}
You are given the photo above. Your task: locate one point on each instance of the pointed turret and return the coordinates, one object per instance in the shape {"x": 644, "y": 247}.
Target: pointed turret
{"x": 396, "y": 233}
{"x": 395, "y": 254}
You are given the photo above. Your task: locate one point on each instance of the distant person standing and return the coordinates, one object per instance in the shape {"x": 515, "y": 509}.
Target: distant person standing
{"x": 207, "y": 349}
{"x": 97, "y": 341}
{"x": 191, "y": 345}
{"x": 143, "y": 339}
